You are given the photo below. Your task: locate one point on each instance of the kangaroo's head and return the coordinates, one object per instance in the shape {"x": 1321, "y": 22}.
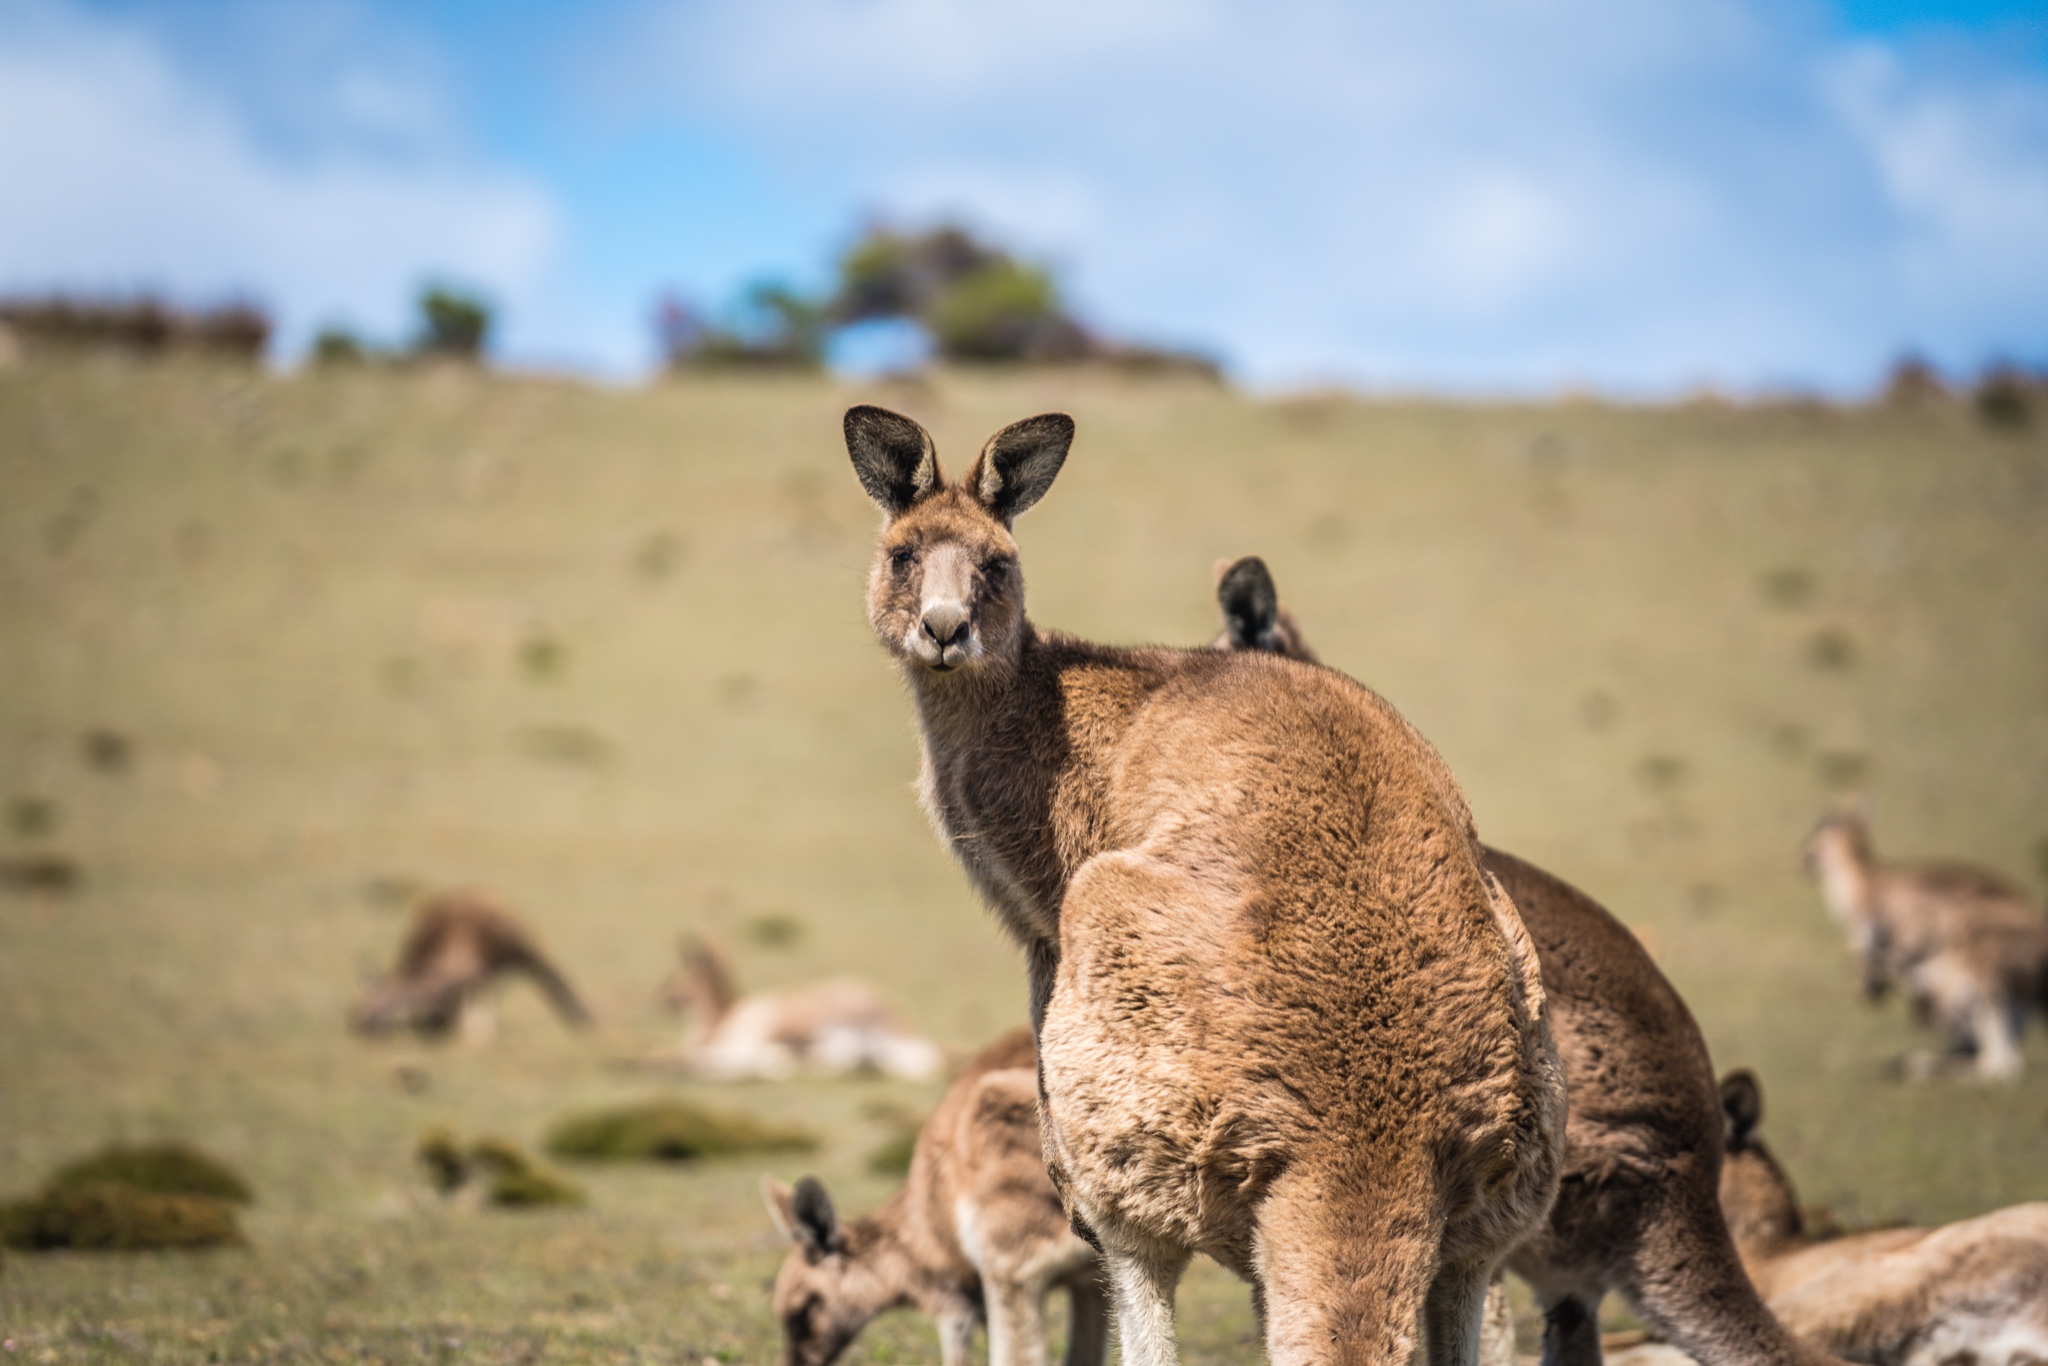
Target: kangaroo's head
{"x": 827, "y": 1290}
{"x": 1842, "y": 836}
{"x": 389, "y": 1004}
{"x": 1253, "y": 618}
{"x": 1756, "y": 1196}
{"x": 946, "y": 595}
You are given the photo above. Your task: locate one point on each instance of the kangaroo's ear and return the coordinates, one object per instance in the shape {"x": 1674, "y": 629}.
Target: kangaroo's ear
{"x": 894, "y": 457}
{"x": 1250, "y": 603}
{"x": 781, "y": 1203}
{"x": 1742, "y": 1108}
{"x": 1018, "y": 464}
{"x": 817, "y": 1225}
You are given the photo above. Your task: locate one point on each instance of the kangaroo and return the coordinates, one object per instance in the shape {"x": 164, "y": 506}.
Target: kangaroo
{"x": 1969, "y": 947}
{"x": 1284, "y": 1016}
{"x": 1638, "y": 1210}
{"x": 831, "y": 1027}
{"x": 1974, "y": 1291}
{"x": 976, "y": 1236}
{"x": 460, "y": 943}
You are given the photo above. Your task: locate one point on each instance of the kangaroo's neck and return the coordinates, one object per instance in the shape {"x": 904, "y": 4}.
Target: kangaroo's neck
{"x": 1761, "y": 1207}
{"x": 1848, "y": 881}
{"x": 1012, "y": 778}
{"x": 881, "y": 1273}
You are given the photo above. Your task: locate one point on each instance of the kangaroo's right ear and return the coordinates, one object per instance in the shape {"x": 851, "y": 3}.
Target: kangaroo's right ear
{"x": 894, "y": 457}
{"x": 1742, "y": 1108}
{"x": 1250, "y": 603}
{"x": 817, "y": 1225}
{"x": 1018, "y": 464}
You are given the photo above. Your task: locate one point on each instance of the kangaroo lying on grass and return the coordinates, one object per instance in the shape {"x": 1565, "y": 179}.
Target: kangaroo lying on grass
{"x": 1638, "y": 1210}
{"x": 1284, "y": 1016}
{"x": 836, "y": 1026}
{"x": 460, "y": 943}
{"x": 1970, "y": 948}
{"x": 976, "y": 1235}
{"x": 1971, "y": 1292}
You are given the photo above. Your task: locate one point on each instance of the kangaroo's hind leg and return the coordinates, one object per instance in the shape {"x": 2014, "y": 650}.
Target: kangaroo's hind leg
{"x": 1454, "y": 1315}
{"x": 1142, "y": 1285}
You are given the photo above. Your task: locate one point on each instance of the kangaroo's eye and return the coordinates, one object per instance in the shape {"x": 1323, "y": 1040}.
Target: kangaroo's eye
{"x": 902, "y": 558}
{"x": 998, "y": 567}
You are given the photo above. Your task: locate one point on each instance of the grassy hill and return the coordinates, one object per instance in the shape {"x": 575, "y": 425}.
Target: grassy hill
{"x": 275, "y": 651}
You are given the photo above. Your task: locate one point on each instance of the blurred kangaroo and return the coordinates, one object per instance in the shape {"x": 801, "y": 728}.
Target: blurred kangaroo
{"x": 1972, "y": 1292}
{"x": 1638, "y": 1209}
{"x": 1284, "y": 1017}
{"x": 835, "y": 1026}
{"x": 976, "y": 1235}
{"x": 460, "y": 943}
{"x": 1970, "y": 949}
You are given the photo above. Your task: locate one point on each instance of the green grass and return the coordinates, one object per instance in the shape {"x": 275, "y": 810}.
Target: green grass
{"x": 272, "y": 648}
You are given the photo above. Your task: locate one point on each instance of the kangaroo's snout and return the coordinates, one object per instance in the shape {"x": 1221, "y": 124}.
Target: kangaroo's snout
{"x": 945, "y": 623}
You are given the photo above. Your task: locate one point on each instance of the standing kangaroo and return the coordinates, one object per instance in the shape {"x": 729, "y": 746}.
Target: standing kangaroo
{"x": 976, "y": 1235}
{"x": 1284, "y": 1016}
{"x": 1638, "y": 1210}
{"x": 459, "y": 944}
{"x": 1969, "y": 947}
{"x": 1972, "y": 1292}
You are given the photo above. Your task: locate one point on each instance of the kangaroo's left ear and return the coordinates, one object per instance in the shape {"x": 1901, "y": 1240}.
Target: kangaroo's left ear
{"x": 1250, "y": 603}
{"x": 1018, "y": 464}
{"x": 1742, "y": 1108}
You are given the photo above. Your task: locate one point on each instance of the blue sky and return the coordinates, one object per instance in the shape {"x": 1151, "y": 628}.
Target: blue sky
{"x": 1481, "y": 196}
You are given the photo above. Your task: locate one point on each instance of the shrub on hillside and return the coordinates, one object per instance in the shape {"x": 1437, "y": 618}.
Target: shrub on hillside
{"x": 143, "y": 326}
{"x": 453, "y": 323}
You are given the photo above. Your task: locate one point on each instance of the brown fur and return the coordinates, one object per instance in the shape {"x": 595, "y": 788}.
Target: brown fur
{"x": 1970, "y": 949}
{"x": 1284, "y": 1016}
{"x": 976, "y": 1235}
{"x": 1973, "y": 1293}
{"x": 460, "y": 943}
{"x": 834, "y": 1026}
{"x": 1638, "y": 1209}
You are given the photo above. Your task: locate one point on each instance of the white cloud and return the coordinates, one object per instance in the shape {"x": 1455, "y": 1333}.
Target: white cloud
{"x": 120, "y": 171}
{"x": 1483, "y": 193}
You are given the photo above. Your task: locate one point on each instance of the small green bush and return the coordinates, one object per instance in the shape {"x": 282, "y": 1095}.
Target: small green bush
{"x": 162, "y": 1168}
{"x": 447, "y": 1166}
{"x": 111, "y": 1216}
{"x": 517, "y": 1181}
{"x": 669, "y": 1131}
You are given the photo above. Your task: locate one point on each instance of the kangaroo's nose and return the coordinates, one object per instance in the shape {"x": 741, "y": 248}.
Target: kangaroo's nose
{"x": 946, "y": 623}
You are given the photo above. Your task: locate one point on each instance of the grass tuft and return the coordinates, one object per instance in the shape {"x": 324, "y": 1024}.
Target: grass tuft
{"x": 669, "y": 1131}
{"x": 161, "y": 1168}
{"x": 110, "y": 1216}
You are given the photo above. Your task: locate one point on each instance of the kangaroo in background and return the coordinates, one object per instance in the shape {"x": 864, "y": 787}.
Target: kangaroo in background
{"x": 1638, "y": 1210}
{"x": 1308, "y": 1043}
{"x": 975, "y": 1236}
{"x": 835, "y": 1026}
{"x": 1973, "y": 1292}
{"x": 1970, "y": 948}
{"x": 460, "y": 943}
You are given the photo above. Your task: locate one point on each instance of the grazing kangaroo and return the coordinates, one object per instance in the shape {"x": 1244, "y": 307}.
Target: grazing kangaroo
{"x": 1970, "y": 1292}
{"x": 1970, "y": 949}
{"x": 460, "y": 943}
{"x": 1638, "y": 1210}
{"x": 1284, "y": 1016}
{"x": 975, "y": 1236}
{"x": 835, "y": 1026}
